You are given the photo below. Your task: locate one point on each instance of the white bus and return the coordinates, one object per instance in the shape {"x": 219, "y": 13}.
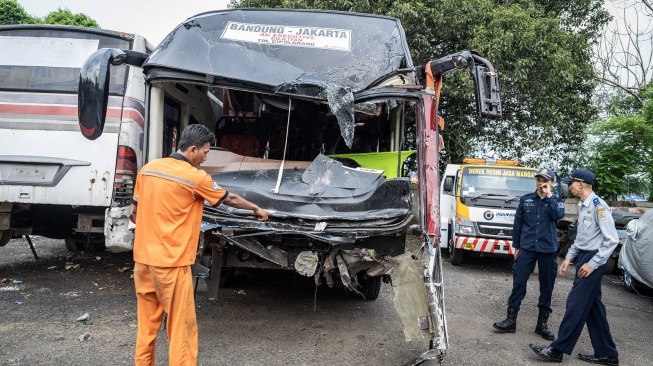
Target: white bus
{"x": 53, "y": 181}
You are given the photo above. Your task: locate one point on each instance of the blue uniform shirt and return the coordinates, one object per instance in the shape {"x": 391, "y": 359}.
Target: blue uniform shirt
{"x": 596, "y": 231}
{"x": 535, "y": 223}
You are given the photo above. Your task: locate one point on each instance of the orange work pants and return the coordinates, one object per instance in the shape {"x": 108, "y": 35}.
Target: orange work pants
{"x": 168, "y": 289}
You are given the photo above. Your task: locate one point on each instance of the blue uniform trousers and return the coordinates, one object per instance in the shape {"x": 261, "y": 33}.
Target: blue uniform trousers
{"x": 521, "y": 270}
{"x": 584, "y": 306}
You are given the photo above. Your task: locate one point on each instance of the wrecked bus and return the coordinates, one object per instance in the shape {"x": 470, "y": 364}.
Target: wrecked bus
{"x": 295, "y": 98}
{"x": 54, "y": 182}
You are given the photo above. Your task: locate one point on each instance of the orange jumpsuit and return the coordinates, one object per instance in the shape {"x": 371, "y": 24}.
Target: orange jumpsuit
{"x": 169, "y": 196}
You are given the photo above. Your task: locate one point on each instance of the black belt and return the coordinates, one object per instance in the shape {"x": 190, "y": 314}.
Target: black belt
{"x": 580, "y": 251}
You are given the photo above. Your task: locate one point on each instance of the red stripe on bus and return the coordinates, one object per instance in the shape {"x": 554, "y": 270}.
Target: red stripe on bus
{"x": 68, "y": 111}
{"x": 134, "y": 115}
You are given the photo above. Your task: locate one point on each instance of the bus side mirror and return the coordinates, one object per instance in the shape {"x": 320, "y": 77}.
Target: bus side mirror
{"x": 564, "y": 191}
{"x": 448, "y": 184}
{"x": 94, "y": 90}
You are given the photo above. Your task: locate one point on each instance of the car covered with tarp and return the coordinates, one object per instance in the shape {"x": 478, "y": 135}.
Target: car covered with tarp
{"x": 636, "y": 257}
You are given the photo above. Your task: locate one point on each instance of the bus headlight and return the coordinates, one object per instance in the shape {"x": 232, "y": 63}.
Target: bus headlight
{"x": 464, "y": 226}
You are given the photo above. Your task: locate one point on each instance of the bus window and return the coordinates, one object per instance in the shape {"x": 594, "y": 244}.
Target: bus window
{"x": 50, "y": 59}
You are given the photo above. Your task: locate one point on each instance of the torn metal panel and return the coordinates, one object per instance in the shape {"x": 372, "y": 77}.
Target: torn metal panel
{"x": 419, "y": 298}
{"x": 117, "y": 236}
{"x": 324, "y": 191}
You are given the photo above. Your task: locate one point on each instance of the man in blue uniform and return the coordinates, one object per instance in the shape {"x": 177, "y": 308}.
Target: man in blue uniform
{"x": 596, "y": 239}
{"x": 534, "y": 238}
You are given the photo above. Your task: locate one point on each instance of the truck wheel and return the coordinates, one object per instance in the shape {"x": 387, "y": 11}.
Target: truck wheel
{"x": 455, "y": 255}
{"x": 370, "y": 286}
{"x": 565, "y": 248}
{"x": 612, "y": 265}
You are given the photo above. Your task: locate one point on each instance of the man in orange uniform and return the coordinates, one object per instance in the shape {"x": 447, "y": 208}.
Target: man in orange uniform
{"x": 169, "y": 198}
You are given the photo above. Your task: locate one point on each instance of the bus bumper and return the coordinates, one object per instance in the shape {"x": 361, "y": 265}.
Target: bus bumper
{"x": 484, "y": 245}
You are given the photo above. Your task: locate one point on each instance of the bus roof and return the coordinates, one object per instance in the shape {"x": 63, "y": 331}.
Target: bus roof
{"x": 298, "y": 52}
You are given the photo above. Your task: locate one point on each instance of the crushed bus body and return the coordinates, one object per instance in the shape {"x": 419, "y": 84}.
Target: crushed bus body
{"x": 312, "y": 112}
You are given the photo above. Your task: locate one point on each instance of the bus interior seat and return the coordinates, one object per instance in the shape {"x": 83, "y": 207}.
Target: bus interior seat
{"x": 247, "y": 136}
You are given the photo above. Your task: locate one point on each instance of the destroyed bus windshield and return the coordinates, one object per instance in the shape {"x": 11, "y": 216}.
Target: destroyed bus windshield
{"x": 286, "y": 51}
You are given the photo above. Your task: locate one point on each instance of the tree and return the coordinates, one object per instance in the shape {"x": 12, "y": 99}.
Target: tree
{"x": 66, "y": 17}
{"x": 621, "y": 155}
{"x": 11, "y": 12}
{"x": 543, "y": 50}
{"x": 624, "y": 59}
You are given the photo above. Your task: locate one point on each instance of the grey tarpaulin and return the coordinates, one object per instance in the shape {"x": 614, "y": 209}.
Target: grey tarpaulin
{"x": 636, "y": 255}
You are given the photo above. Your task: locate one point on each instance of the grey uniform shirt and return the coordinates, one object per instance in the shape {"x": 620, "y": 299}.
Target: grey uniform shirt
{"x": 596, "y": 231}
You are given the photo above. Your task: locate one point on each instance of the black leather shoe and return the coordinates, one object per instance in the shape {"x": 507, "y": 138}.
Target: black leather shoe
{"x": 548, "y": 353}
{"x": 612, "y": 361}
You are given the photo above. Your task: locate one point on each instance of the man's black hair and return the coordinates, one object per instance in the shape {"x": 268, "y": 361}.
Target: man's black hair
{"x": 195, "y": 135}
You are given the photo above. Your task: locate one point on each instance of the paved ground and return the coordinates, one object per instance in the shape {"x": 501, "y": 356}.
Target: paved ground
{"x": 278, "y": 319}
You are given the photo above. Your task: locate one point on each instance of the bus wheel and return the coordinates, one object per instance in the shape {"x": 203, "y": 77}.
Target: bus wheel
{"x": 5, "y": 236}
{"x": 82, "y": 242}
{"x": 370, "y": 286}
{"x": 455, "y": 255}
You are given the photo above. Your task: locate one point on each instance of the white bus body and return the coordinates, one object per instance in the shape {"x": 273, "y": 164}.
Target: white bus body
{"x": 53, "y": 181}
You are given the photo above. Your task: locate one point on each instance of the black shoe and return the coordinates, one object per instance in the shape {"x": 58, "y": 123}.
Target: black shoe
{"x": 612, "y": 361}
{"x": 547, "y": 353}
{"x": 542, "y": 328}
{"x": 509, "y": 324}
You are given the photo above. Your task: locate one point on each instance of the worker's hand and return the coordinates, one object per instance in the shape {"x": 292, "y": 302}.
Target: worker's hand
{"x": 261, "y": 214}
{"x": 562, "y": 271}
{"x": 546, "y": 189}
{"x": 585, "y": 270}
{"x": 515, "y": 253}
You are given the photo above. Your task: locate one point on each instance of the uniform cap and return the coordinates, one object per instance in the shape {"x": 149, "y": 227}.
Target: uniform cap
{"x": 580, "y": 175}
{"x": 546, "y": 173}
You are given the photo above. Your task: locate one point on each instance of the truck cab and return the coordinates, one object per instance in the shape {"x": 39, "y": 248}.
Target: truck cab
{"x": 478, "y": 200}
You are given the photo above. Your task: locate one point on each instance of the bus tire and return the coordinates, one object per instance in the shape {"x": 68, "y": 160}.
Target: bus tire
{"x": 370, "y": 286}
{"x": 81, "y": 242}
{"x": 5, "y": 236}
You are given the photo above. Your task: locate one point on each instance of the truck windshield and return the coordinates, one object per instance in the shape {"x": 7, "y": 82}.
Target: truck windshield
{"x": 50, "y": 59}
{"x": 496, "y": 182}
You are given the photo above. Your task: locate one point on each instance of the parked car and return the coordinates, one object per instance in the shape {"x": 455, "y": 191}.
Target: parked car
{"x": 636, "y": 259}
{"x": 622, "y": 216}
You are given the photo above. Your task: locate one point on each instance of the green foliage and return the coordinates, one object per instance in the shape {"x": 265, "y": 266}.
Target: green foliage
{"x": 11, "y": 12}
{"x": 66, "y": 17}
{"x": 541, "y": 48}
{"x": 621, "y": 155}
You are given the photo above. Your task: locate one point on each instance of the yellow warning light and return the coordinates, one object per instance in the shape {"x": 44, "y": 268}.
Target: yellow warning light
{"x": 490, "y": 161}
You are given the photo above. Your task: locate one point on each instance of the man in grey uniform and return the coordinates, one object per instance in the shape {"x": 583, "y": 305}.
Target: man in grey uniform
{"x": 596, "y": 239}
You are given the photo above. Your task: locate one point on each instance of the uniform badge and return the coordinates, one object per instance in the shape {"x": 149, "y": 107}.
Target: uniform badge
{"x": 600, "y": 213}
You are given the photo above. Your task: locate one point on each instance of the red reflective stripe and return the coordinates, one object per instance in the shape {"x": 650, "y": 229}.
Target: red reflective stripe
{"x": 484, "y": 245}
{"x": 39, "y": 109}
{"x": 67, "y": 110}
{"x": 135, "y": 116}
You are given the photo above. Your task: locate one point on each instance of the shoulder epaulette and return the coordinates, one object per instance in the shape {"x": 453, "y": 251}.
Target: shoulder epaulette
{"x": 596, "y": 201}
